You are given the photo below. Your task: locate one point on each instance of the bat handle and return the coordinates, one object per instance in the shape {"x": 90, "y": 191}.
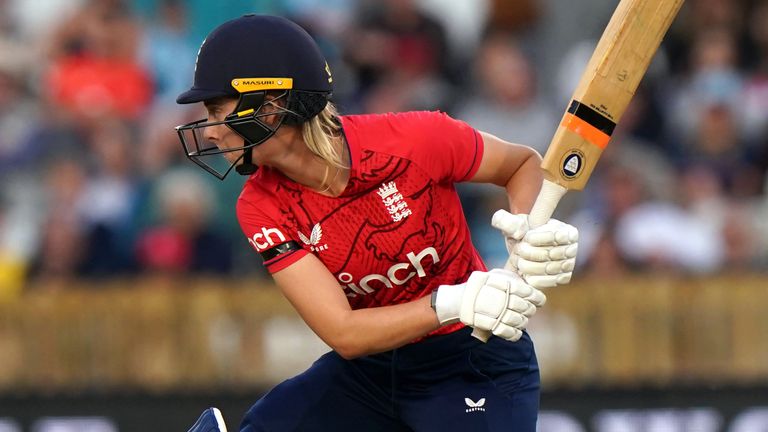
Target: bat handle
{"x": 549, "y": 195}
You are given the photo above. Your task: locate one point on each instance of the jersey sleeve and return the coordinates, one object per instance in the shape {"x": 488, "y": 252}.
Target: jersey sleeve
{"x": 278, "y": 249}
{"x": 448, "y": 149}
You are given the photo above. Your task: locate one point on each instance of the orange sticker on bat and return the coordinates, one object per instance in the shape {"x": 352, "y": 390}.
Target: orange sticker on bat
{"x": 585, "y": 130}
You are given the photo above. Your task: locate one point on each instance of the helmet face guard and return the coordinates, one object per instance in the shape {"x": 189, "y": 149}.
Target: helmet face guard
{"x": 246, "y": 121}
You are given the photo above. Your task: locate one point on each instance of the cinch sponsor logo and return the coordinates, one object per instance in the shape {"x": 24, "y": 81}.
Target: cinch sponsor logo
{"x": 398, "y": 274}
{"x": 267, "y": 238}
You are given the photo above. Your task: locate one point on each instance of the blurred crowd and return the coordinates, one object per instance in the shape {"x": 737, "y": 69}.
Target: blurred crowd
{"x": 94, "y": 184}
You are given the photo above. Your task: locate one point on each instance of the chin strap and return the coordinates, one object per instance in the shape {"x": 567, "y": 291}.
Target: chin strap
{"x": 247, "y": 167}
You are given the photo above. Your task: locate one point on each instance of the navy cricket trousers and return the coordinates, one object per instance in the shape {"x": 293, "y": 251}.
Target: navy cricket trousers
{"x": 444, "y": 383}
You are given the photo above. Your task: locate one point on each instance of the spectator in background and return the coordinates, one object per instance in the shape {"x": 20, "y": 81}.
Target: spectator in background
{"x": 606, "y": 260}
{"x": 718, "y": 144}
{"x": 619, "y": 189}
{"x": 742, "y": 246}
{"x": 759, "y": 213}
{"x": 725, "y": 14}
{"x": 35, "y": 20}
{"x": 94, "y": 70}
{"x": 20, "y": 160}
{"x": 16, "y": 110}
{"x": 701, "y": 16}
{"x": 329, "y": 17}
{"x": 703, "y": 195}
{"x": 184, "y": 239}
{"x": 110, "y": 198}
{"x": 755, "y": 98}
{"x": 504, "y": 99}
{"x": 649, "y": 234}
{"x": 632, "y": 229}
{"x": 20, "y": 218}
{"x": 663, "y": 206}
{"x": 756, "y": 115}
{"x": 328, "y": 22}
{"x": 708, "y": 118}
{"x": 17, "y": 107}
{"x": 516, "y": 17}
{"x": 401, "y": 59}
{"x": 167, "y": 53}
{"x": 158, "y": 146}
{"x": 62, "y": 240}
{"x": 465, "y": 23}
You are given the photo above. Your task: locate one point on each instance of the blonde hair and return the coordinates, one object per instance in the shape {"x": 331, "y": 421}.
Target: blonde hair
{"x": 319, "y": 134}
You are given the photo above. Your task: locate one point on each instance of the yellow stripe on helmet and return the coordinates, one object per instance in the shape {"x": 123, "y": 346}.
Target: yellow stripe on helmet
{"x": 246, "y": 112}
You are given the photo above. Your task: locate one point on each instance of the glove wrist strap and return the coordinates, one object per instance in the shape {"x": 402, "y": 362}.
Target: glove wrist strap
{"x": 447, "y": 303}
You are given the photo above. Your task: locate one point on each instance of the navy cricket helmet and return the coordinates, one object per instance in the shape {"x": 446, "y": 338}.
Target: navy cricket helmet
{"x": 245, "y": 58}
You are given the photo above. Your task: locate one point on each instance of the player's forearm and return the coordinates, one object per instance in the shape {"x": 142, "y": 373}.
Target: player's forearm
{"x": 372, "y": 330}
{"x": 512, "y": 166}
{"x": 349, "y": 332}
{"x": 523, "y": 186}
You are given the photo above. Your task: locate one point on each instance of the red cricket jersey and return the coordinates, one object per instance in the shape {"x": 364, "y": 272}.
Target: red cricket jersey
{"x": 397, "y": 231}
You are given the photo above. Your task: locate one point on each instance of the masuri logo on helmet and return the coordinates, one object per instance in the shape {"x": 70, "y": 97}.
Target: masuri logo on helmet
{"x": 243, "y": 85}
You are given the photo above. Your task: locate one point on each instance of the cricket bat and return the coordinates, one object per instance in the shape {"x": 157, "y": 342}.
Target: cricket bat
{"x": 607, "y": 85}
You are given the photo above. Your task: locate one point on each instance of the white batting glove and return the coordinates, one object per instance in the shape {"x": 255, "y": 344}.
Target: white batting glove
{"x": 543, "y": 256}
{"x": 498, "y": 301}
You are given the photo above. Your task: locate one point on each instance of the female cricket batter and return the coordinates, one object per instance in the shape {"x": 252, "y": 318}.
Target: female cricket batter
{"x": 358, "y": 221}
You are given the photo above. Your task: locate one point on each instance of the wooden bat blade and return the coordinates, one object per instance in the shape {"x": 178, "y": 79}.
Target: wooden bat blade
{"x": 607, "y": 85}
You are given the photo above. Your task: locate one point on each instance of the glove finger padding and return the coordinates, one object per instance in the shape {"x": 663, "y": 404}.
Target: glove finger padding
{"x": 549, "y": 281}
{"x": 523, "y": 290}
{"x": 514, "y": 319}
{"x": 551, "y": 268}
{"x": 507, "y": 332}
{"x": 552, "y": 233}
{"x": 530, "y": 252}
{"x": 546, "y": 256}
{"x": 521, "y": 306}
{"x": 513, "y": 226}
{"x": 522, "y": 303}
{"x": 509, "y": 325}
